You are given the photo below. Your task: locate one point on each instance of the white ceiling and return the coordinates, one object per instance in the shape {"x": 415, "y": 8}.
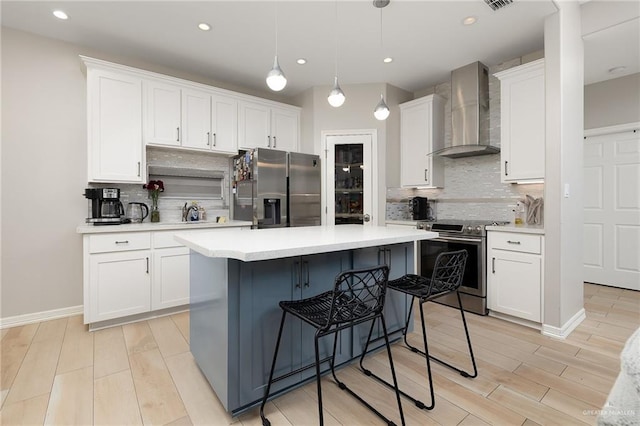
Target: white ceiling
{"x": 425, "y": 38}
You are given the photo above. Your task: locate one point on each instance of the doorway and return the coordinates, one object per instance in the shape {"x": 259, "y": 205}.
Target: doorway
{"x": 612, "y": 208}
{"x": 351, "y": 188}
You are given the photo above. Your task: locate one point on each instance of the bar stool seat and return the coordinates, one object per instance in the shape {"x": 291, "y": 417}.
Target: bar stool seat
{"x": 358, "y": 296}
{"x": 446, "y": 278}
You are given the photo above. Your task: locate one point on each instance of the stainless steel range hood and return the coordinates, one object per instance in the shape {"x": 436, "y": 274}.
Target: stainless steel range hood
{"x": 469, "y": 113}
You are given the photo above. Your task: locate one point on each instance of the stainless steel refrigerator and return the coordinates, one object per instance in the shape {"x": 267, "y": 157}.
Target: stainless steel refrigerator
{"x": 276, "y": 188}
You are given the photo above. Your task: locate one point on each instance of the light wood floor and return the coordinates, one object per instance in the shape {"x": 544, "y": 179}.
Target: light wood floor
{"x": 56, "y": 372}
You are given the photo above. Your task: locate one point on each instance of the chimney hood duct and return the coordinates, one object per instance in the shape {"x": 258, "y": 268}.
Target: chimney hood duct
{"x": 469, "y": 113}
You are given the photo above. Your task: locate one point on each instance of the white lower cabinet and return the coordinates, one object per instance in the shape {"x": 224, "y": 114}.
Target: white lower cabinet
{"x": 515, "y": 274}
{"x": 130, "y": 273}
{"x": 119, "y": 285}
{"x": 170, "y": 284}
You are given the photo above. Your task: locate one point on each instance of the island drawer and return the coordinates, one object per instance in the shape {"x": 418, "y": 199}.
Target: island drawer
{"x": 513, "y": 241}
{"x": 123, "y": 241}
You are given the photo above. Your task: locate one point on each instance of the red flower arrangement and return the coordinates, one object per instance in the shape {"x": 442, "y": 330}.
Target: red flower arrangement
{"x": 155, "y": 187}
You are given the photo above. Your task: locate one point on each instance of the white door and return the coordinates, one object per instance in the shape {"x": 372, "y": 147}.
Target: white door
{"x": 349, "y": 180}
{"x": 612, "y": 210}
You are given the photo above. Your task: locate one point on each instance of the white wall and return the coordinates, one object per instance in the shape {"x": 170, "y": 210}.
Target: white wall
{"x": 612, "y": 102}
{"x": 44, "y": 169}
{"x": 356, "y": 114}
{"x": 564, "y": 81}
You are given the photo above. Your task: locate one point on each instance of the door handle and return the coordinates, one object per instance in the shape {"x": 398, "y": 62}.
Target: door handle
{"x": 305, "y": 269}
{"x": 296, "y": 273}
{"x": 493, "y": 265}
{"x": 366, "y": 218}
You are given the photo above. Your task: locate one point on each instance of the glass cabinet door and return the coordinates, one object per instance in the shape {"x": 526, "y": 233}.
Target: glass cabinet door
{"x": 349, "y": 182}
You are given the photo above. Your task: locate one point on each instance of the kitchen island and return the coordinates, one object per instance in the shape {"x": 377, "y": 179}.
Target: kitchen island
{"x": 239, "y": 276}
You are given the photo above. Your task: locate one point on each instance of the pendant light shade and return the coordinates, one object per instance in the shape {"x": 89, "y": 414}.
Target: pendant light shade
{"x": 336, "y": 96}
{"x": 276, "y": 79}
{"x": 382, "y": 110}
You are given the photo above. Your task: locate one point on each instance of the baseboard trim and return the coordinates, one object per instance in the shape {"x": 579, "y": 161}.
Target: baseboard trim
{"x": 25, "y": 319}
{"x": 567, "y": 328}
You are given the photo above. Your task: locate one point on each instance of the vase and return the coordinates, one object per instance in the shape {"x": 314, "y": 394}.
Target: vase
{"x": 155, "y": 213}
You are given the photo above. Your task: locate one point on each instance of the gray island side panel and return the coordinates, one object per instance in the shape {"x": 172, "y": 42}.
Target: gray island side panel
{"x": 235, "y": 316}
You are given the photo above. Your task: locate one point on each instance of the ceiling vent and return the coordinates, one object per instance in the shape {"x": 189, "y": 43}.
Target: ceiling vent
{"x": 498, "y": 4}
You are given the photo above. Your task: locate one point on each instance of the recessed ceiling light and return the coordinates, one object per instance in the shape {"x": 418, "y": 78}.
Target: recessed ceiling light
{"x": 617, "y": 70}
{"x": 387, "y": 60}
{"x": 204, "y": 26}
{"x": 60, "y": 14}
{"x": 301, "y": 61}
{"x": 469, "y": 20}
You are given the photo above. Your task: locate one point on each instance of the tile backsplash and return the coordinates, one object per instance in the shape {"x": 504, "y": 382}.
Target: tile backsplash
{"x": 171, "y": 207}
{"x": 472, "y": 187}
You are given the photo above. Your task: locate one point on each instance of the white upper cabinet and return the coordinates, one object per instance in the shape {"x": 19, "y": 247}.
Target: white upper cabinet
{"x": 421, "y": 133}
{"x": 522, "y": 121}
{"x": 189, "y": 118}
{"x": 224, "y": 124}
{"x": 196, "y": 119}
{"x": 114, "y": 111}
{"x": 264, "y": 126}
{"x": 162, "y": 113}
{"x": 285, "y": 129}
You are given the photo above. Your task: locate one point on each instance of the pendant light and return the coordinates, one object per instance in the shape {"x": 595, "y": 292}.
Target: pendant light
{"x": 276, "y": 79}
{"x": 336, "y": 96}
{"x": 381, "y": 112}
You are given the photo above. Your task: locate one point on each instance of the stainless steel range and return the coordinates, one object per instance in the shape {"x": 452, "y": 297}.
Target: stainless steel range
{"x": 456, "y": 235}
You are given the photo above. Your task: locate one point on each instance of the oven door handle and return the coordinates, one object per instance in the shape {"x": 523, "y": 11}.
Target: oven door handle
{"x": 466, "y": 240}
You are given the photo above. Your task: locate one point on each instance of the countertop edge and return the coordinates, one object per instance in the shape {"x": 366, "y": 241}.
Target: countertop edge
{"x": 523, "y": 229}
{"x": 160, "y": 226}
{"x": 296, "y": 250}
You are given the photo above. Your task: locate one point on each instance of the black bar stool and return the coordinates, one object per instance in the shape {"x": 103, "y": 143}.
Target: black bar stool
{"x": 358, "y": 296}
{"x": 447, "y": 277}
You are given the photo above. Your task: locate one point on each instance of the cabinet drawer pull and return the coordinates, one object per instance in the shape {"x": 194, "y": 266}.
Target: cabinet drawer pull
{"x": 506, "y": 169}
{"x": 208, "y": 138}
{"x": 214, "y": 139}
{"x": 138, "y": 169}
{"x": 122, "y": 242}
{"x": 296, "y": 273}
{"x": 274, "y": 141}
{"x": 426, "y": 177}
{"x": 513, "y": 242}
{"x": 177, "y": 134}
{"x": 269, "y": 141}
{"x": 305, "y": 268}
{"x": 147, "y": 265}
{"x": 493, "y": 265}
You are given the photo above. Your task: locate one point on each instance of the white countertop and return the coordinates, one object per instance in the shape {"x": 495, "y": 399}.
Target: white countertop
{"x": 523, "y": 229}
{"x": 276, "y": 243}
{"x": 159, "y": 226}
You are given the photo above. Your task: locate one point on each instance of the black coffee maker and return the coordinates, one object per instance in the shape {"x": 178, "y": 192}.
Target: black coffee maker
{"x": 419, "y": 208}
{"x": 105, "y": 206}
